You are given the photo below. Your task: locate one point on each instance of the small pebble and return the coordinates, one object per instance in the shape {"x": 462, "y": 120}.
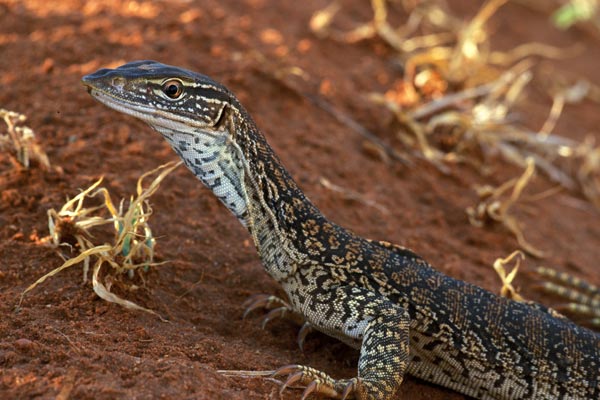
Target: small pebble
{"x": 23, "y": 344}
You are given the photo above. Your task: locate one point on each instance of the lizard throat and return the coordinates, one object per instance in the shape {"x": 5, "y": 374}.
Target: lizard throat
{"x": 216, "y": 163}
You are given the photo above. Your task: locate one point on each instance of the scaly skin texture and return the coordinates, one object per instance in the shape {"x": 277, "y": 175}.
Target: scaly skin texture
{"x": 403, "y": 315}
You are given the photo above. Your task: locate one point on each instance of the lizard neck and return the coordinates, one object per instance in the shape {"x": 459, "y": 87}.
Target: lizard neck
{"x": 279, "y": 210}
{"x": 242, "y": 170}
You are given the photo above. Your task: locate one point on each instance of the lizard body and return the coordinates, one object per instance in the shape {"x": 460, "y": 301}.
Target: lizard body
{"x": 403, "y": 315}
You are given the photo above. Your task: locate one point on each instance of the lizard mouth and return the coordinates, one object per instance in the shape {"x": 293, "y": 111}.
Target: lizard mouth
{"x": 120, "y": 104}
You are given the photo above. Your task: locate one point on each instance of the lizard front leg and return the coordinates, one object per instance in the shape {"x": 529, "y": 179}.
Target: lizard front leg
{"x": 358, "y": 315}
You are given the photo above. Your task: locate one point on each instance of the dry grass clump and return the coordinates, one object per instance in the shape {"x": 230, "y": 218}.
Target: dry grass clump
{"x": 19, "y": 141}
{"x": 458, "y": 99}
{"x": 132, "y": 247}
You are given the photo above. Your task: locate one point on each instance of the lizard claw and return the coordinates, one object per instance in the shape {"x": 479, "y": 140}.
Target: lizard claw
{"x": 350, "y": 388}
{"x": 302, "y": 333}
{"x": 316, "y": 382}
{"x": 293, "y": 378}
{"x": 277, "y": 307}
{"x": 286, "y": 370}
{"x": 279, "y": 312}
{"x": 262, "y": 301}
{"x": 310, "y": 388}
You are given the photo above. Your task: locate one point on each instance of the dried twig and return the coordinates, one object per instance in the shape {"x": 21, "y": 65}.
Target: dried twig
{"x": 266, "y": 375}
{"x": 283, "y": 76}
{"x": 508, "y": 289}
{"x": 346, "y": 120}
{"x": 494, "y": 206}
{"x": 245, "y": 374}
{"x": 352, "y": 195}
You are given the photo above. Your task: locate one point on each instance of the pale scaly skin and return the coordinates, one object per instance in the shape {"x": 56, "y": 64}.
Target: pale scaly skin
{"x": 403, "y": 315}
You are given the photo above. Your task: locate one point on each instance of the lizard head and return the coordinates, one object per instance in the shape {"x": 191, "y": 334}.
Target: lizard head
{"x": 192, "y": 112}
{"x": 170, "y": 99}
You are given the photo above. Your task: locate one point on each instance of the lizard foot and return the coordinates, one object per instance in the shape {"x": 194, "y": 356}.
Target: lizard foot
{"x": 583, "y": 298}
{"x": 278, "y": 308}
{"x": 317, "y": 382}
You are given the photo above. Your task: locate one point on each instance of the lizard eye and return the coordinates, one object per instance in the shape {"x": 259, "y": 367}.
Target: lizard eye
{"x": 173, "y": 88}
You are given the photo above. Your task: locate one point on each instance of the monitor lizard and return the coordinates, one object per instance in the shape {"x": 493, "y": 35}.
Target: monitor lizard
{"x": 404, "y": 316}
